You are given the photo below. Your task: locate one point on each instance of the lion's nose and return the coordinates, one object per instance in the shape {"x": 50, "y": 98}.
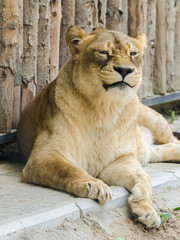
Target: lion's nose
{"x": 123, "y": 71}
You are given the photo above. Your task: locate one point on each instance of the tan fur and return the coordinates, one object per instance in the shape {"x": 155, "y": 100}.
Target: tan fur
{"x": 79, "y": 134}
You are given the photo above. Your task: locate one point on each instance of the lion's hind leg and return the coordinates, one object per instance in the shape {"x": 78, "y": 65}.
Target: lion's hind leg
{"x": 165, "y": 152}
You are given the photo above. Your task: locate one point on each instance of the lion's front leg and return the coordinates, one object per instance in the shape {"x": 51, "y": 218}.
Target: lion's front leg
{"x": 48, "y": 168}
{"x": 129, "y": 174}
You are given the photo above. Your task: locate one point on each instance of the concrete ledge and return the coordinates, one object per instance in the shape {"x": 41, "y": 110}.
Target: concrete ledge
{"x": 59, "y": 214}
{"x": 162, "y": 174}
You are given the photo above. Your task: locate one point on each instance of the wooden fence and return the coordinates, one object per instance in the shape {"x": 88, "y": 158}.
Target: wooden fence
{"x": 33, "y": 48}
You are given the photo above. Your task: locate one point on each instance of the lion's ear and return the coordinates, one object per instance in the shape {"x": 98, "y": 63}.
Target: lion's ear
{"x": 142, "y": 39}
{"x": 140, "y": 42}
{"x": 74, "y": 36}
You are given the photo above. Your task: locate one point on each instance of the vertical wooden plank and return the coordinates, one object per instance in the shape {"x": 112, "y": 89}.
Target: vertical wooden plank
{"x": 8, "y": 40}
{"x": 90, "y": 14}
{"x": 177, "y": 48}
{"x": 55, "y": 37}
{"x": 160, "y": 49}
{"x": 146, "y": 89}
{"x": 101, "y": 13}
{"x": 30, "y": 41}
{"x": 137, "y": 14}
{"x": 86, "y": 14}
{"x": 18, "y": 73}
{"x": 16, "y": 106}
{"x": 132, "y": 18}
{"x": 137, "y": 23}
{"x": 117, "y": 15}
{"x": 44, "y": 34}
{"x": 124, "y": 24}
{"x": 68, "y": 19}
{"x": 114, "y": 15}
{"x": 170, "y": 28}
{"x": 6, "y": 99}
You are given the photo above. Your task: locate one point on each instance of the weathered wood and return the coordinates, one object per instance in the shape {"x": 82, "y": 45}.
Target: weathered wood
{"x": 117, "y": 15}
{"x": 8, "y": 43}
{"x": 44, "y": 33}
{"x": 124, "y": 24}
{"x": 19, "y": 46}
{"x": 90, "y": 14}
{"x": 16, "y": 106}
{"x": 146, "y": 89}
{"x": 137, "y": 22}
{"x": 177, "y": 48}
{"x": 137, "y": 10}
{"x": 18, "y": 72}
{"x": 86, "y": 14}
{"x": 30, "y": 41}
{"x": 160, "y": 49}
{"x": 101, "y": 13}
{"x": 6, "y": 99}
{"x": 170, "y": 27}
{"x": 55, "y": 37}
{"x": 68, "y": 18}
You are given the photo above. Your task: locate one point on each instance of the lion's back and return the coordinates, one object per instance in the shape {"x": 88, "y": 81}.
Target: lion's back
{"x": 35, "y": 117}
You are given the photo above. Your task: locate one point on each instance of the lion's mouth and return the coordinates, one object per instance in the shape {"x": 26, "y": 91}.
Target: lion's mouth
{"x": 116, "y": 84}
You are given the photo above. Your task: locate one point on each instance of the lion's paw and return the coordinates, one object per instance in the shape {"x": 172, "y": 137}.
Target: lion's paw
{"x": 99, "y": 190}
{"x": 151, "y": 220}
{"x": 92, "y": 188}
{"x": 145, "y": 213}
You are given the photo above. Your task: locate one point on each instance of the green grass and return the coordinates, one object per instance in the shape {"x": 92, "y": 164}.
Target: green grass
{"x": 164, "y": 215}
{"x": 172, "y": 114}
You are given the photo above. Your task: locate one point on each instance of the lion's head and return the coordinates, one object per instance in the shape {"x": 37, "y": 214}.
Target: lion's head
{"x": 106, "y": 63}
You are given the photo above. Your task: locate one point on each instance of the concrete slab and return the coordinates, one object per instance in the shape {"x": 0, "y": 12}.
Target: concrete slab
{"x": 24, "y": 206}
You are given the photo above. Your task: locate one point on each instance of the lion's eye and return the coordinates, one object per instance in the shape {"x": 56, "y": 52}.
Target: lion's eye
{"x": 103, "y": 52}
{"x": 133, "y": 53}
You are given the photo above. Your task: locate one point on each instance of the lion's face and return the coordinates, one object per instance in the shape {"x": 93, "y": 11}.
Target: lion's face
{"x": 107, "y": 63}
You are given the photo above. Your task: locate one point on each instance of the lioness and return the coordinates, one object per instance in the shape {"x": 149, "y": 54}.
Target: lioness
{"x": 87, "y": 129}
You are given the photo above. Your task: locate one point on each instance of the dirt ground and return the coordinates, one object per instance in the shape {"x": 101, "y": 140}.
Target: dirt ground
{"x": 116, "y": 224}
{"x": 110, "y": 225}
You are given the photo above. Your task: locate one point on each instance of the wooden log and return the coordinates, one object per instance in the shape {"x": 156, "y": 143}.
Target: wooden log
{"x": 101, "y": 13}
{"x": 137, "y": 11}
{"x": 177, "y": 48}
{"x": 170, "y": 31}
{"x": 18, "y": 72}
{"x": 146, "y": 89}
{"x": 68, "y": 19}
{"x": 137, "y": 22}
{"x": 6, "y": 99}
{"x": 86, "y": 14}
{"x": 30, "y": 41}
{"x": 90, "y": 14}
{"x": 117, "y": 12}
{"x": 19, "y": 46}
{"x": 160, "y": 49}
{"x": 44, "y": 34}
{"x": 124, "y": 24}
{"x": 55, "y": 37}
{"x": 16, "y": 106}
{"x": 8, "y": 41}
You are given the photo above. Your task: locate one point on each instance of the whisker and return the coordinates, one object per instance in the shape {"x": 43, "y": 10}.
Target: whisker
{"x": 151, "y": 84}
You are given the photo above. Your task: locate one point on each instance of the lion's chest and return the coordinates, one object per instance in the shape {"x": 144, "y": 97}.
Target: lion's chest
{"x": 102, "y": 147}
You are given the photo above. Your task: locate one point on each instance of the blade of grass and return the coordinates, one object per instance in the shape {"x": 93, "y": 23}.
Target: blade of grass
{"x": 178, "y": 208}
